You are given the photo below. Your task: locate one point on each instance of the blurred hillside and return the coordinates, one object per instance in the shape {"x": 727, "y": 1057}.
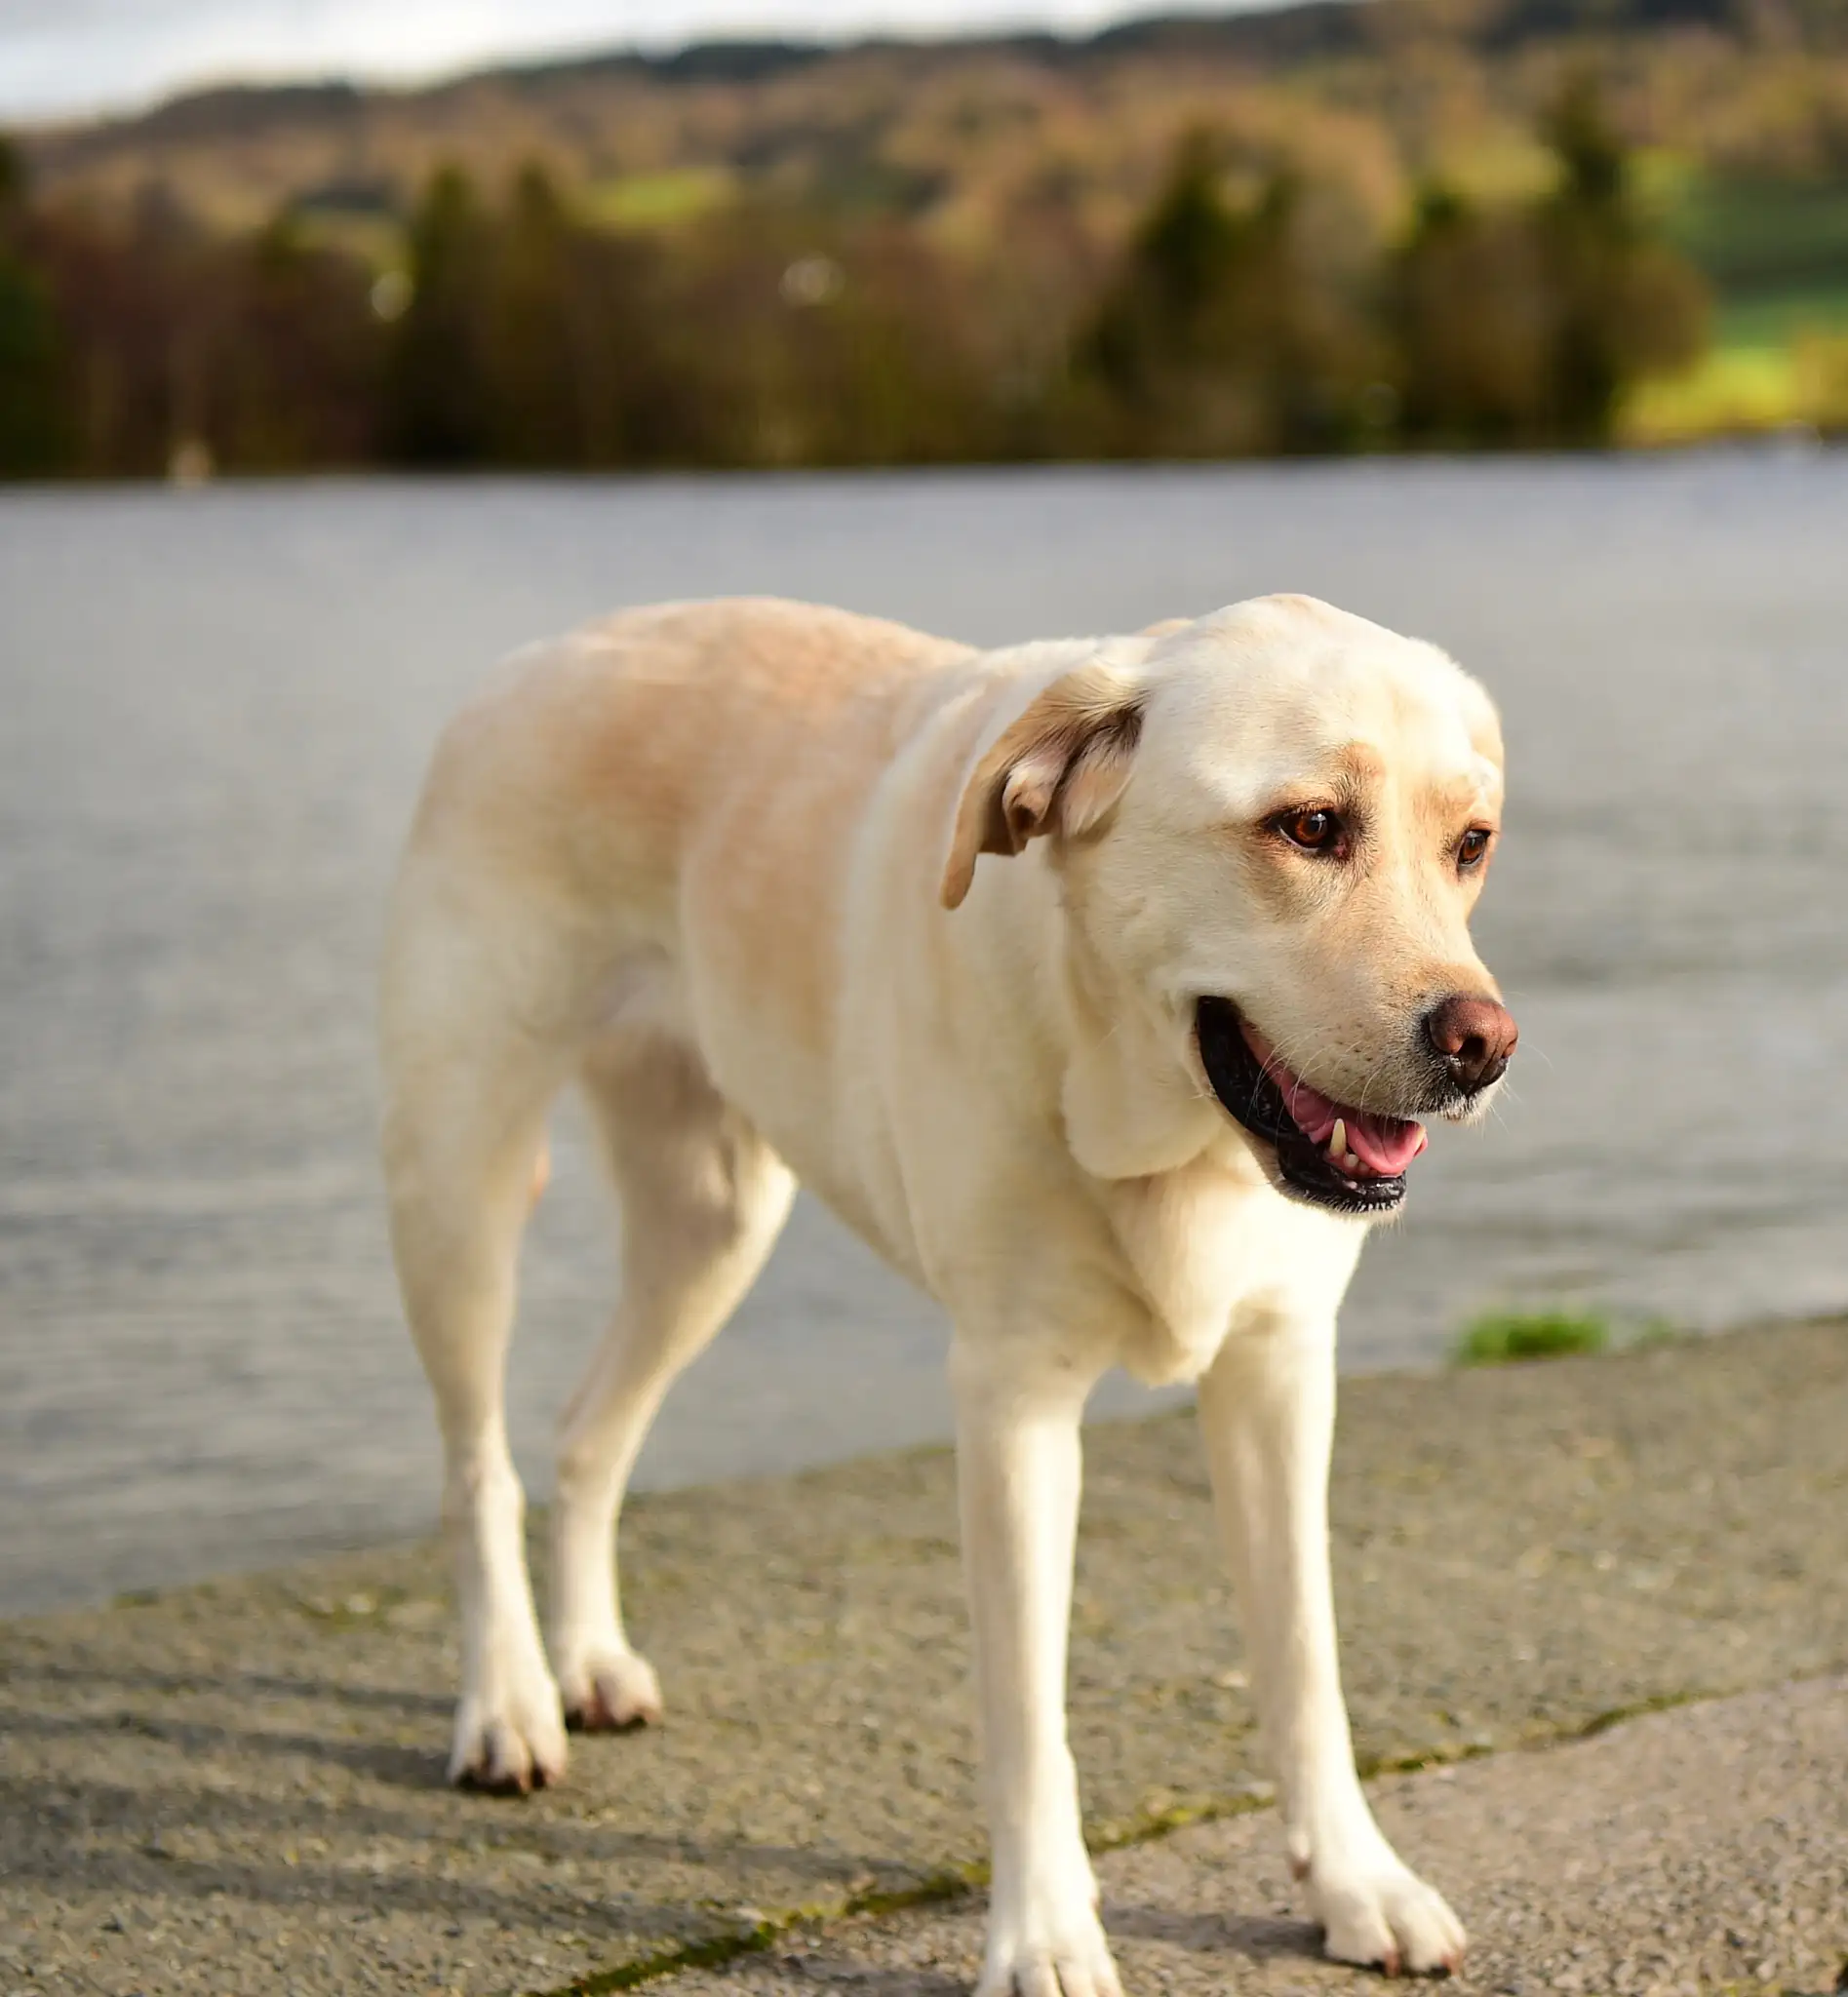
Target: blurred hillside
{"x": 956, "y": 244}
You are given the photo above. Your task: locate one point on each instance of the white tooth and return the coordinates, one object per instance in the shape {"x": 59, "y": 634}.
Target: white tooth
{"x": 1353, "y": 1161}
{"x": 1337, "y": 1142}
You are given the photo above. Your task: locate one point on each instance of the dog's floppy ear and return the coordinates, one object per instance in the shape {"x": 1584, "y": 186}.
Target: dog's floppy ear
{"x": 1058, "y": 769}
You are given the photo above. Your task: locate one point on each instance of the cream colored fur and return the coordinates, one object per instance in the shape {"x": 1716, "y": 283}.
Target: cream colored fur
{"x": 793, "y": 895}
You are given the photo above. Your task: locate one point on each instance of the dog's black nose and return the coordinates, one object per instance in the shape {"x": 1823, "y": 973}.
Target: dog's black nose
{"x": 1473, "y": 1039}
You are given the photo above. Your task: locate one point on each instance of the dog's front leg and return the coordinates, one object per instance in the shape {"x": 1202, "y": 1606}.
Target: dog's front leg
{"x": 1017, "y": 1473}
{"x": 1266, "y": 1411}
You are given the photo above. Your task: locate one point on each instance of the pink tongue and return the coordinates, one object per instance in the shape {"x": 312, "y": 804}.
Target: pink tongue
{"x": 1386, "y": 1145}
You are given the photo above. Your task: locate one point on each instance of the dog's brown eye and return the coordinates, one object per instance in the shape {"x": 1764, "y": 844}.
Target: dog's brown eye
{"x": 1472, "y": 846}
{"x": 1316, "y": 831}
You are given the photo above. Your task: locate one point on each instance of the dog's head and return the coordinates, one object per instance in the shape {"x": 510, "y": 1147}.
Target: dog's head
{"x": 1271, "y": 827}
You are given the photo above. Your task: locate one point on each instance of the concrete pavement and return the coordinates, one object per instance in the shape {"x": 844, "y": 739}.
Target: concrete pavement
{"x": 237, "y": 1786}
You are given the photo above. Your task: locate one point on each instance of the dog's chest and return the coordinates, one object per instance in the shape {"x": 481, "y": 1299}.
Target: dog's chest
{"x": 1208, "y": 1248}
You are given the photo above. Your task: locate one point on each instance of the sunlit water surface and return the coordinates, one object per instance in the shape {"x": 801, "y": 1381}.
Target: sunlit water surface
{"x": 214, "y": 711}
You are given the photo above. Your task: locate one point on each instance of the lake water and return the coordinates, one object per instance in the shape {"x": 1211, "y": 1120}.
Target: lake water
{"x": 214, "y": 712}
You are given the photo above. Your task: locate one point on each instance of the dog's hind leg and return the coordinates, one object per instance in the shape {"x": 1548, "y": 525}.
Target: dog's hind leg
{"x": 468, "y": 1074}
{"x": 703, "y": 1200}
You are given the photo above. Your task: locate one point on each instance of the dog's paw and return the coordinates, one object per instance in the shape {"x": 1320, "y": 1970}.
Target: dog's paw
{"x": 607, "y": 1690}
{"x": 1053, "y": 1951}
{"x": 511, "y": 1738}
{"x": 1384, "y": 1915}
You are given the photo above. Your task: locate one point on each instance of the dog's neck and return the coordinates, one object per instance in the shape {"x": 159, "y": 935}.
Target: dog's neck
{"x": 1132, "y": 1109}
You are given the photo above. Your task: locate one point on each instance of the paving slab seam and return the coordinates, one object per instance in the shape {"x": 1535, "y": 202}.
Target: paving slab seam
{"x": 951, "y": 1885}
{"x": 1551, "y": 1927}
{"x": 959, "y": 1882}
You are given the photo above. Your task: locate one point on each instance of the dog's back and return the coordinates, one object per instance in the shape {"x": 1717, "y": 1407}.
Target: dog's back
{"x": 617, "y": 755}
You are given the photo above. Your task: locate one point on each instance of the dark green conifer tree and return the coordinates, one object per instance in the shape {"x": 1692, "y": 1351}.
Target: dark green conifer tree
{"x": 35, "y": 427}
{"x": 438, "y": 403}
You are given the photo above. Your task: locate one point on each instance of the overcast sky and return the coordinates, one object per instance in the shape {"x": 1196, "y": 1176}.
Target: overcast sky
{"x": 64, "y": 55}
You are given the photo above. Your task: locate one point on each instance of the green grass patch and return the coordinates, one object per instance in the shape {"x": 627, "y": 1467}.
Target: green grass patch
{"x": 659, "y": 201}
{"x": 1780, "y": 319}
{"x": 1740, "y": 390}
{"x": 1498, "y": 1337}
{"x": 1754, "y": 236}
{"x": 1731, "y": 391}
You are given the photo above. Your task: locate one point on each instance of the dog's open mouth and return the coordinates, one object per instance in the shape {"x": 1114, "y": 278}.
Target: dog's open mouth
{"x": 1328, "y": 1153}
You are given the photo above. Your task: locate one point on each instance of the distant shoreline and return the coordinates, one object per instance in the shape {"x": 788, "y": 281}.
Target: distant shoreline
{"x": 1629, "y": 1343}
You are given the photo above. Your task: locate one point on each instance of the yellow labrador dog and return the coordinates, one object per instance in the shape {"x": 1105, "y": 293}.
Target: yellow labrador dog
{"x": 1097, "y": 983}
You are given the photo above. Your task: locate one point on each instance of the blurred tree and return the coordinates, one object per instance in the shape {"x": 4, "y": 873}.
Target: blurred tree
{"x": 131, "y": 292}
{"x": 1157, "y": 318}
{"x": 1036, "y": 284}
{"x": 437, "y": 402}
{"x": 1525, "y": 324}
{"x": 1471, "y": 320}
{"x": 540, "y": 346}
{"x": 1220, "y": 333}
{"x": 1256, "y": 312}
{"x": 33, "y": 418}
{"x": 257, "y": 353}
{"x": 296, "y": 375}
{"x": 1624, "y": 304}
{"x": 532, "y": 339}
{"x": 810, "y": 338}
